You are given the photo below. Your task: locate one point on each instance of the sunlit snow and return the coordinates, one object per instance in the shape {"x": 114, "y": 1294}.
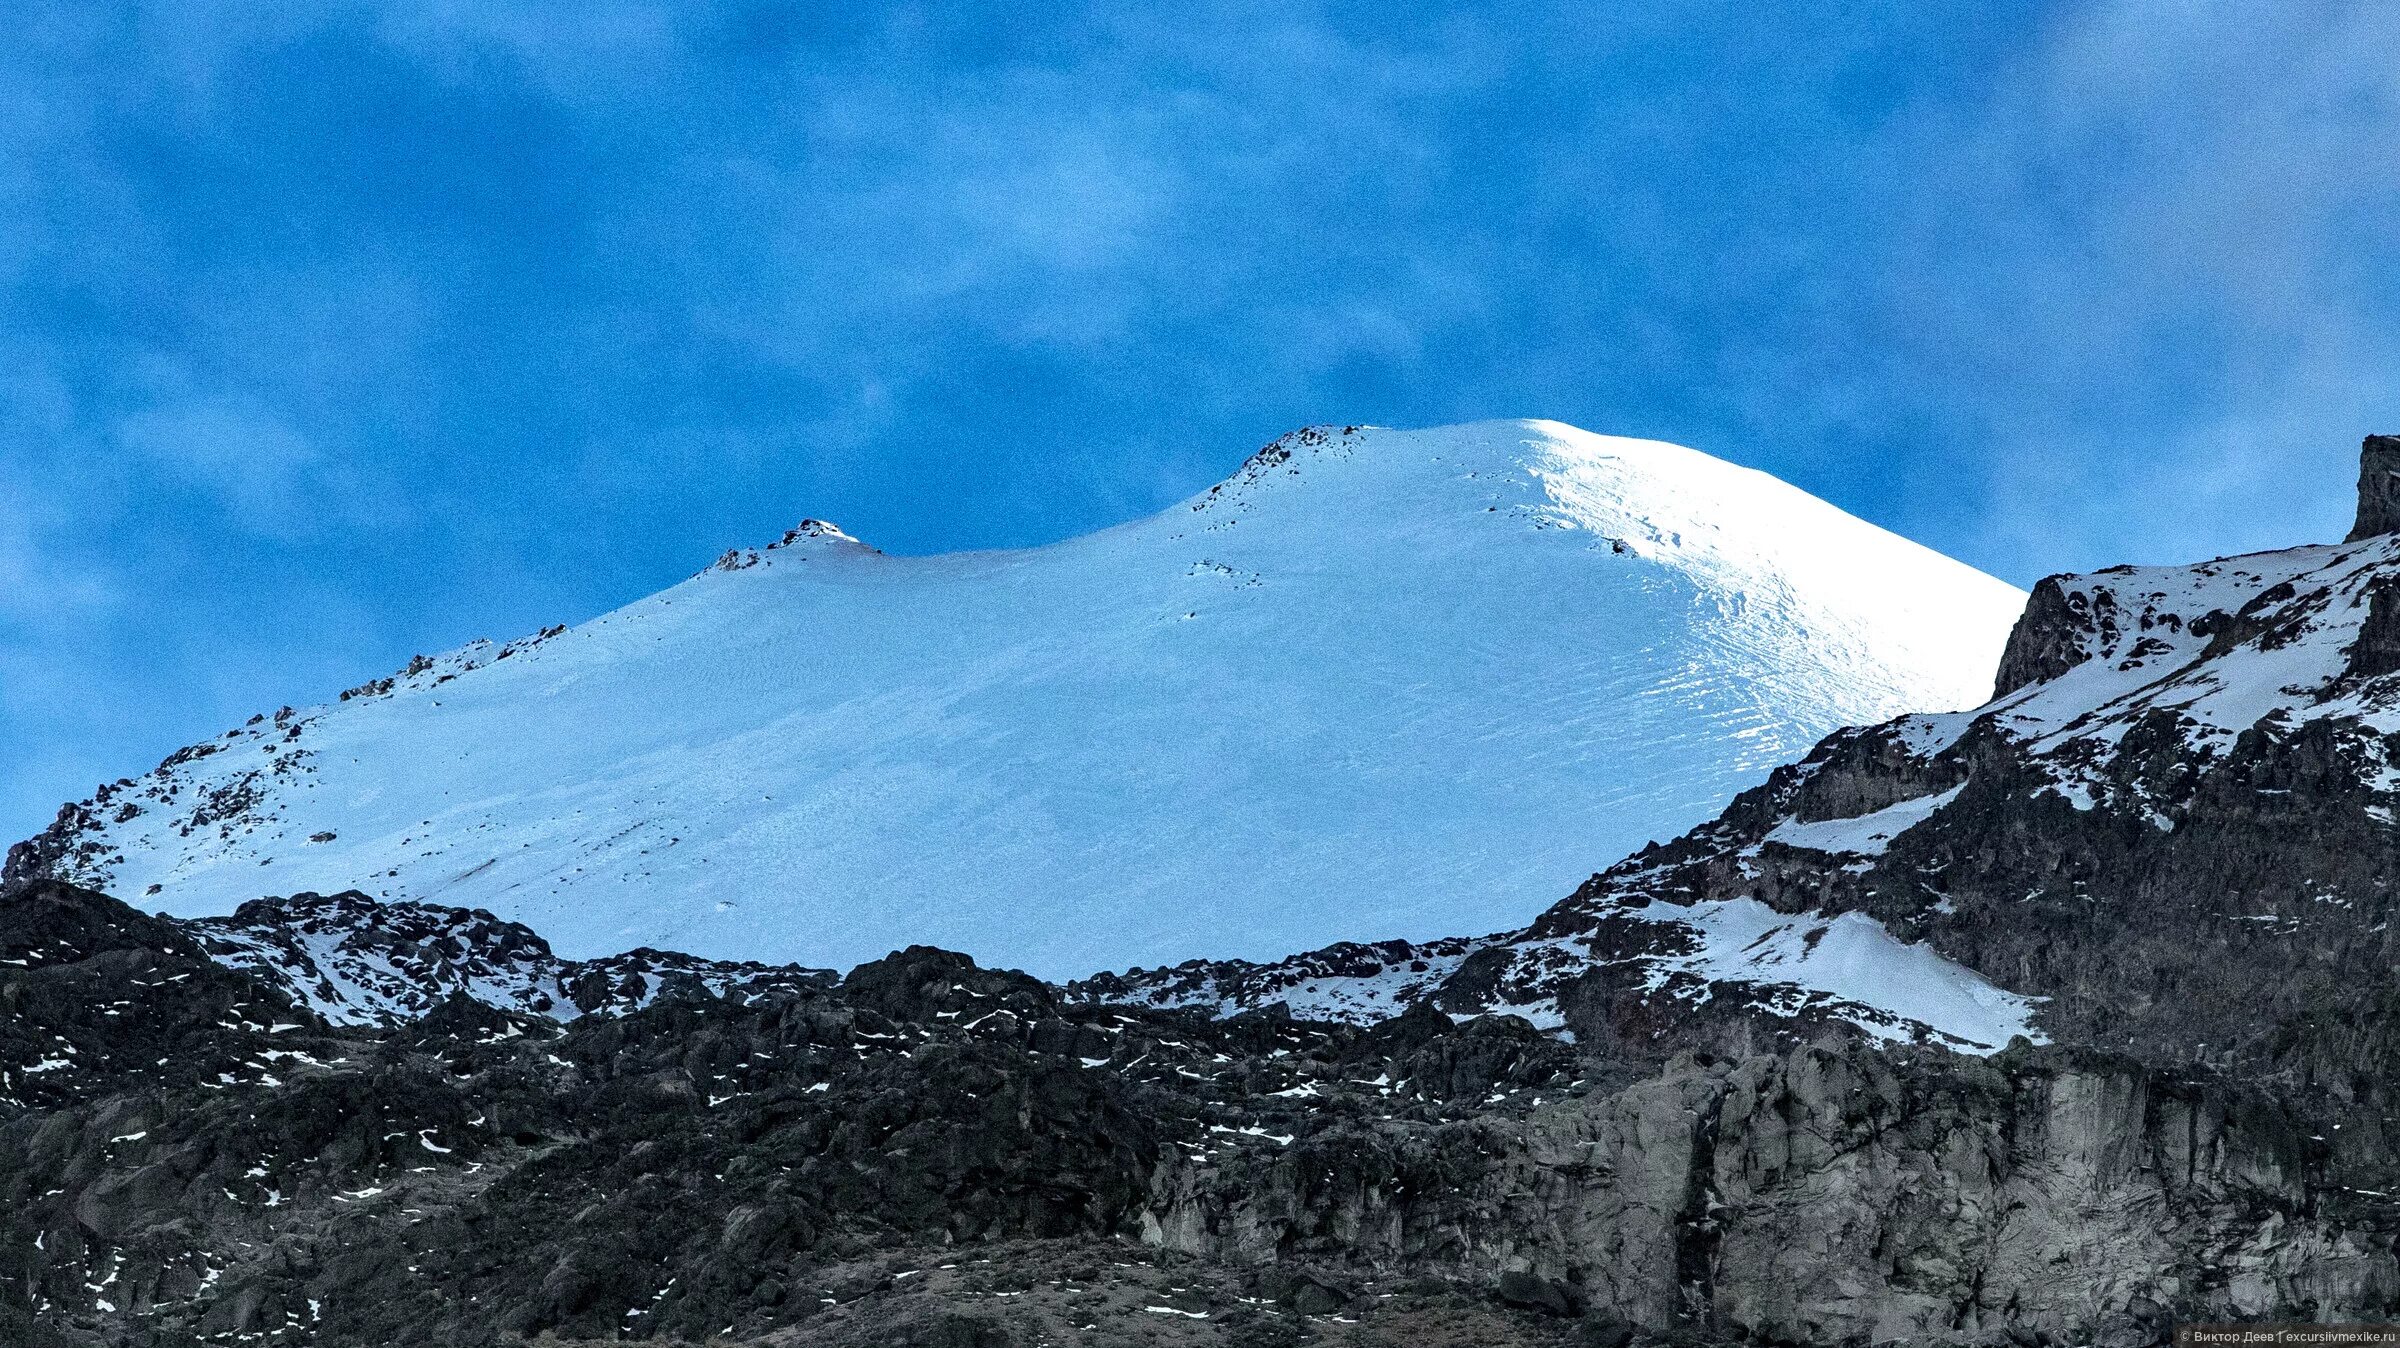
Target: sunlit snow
{"x": 1389, "y": 684}
{"x": 1852, "y": 958}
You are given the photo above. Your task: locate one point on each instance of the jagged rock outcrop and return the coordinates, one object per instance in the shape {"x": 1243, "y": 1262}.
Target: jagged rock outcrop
{"x": 361, "y": 961}
{"x": 2055, "y": 635}
{"x": 2377, "y": 650}
{"x": 2378, "y": 487}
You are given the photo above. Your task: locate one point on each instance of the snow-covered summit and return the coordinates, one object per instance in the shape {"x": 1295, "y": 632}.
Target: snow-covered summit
{"x": 1375, "y": 684}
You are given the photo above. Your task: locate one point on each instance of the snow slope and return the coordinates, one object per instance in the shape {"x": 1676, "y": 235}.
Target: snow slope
{"x": 1377, "y": 684}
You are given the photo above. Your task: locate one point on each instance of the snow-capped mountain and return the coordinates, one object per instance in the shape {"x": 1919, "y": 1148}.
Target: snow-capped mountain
{"x": 1376, "y": 684}
{"x": 2163, "y": 855}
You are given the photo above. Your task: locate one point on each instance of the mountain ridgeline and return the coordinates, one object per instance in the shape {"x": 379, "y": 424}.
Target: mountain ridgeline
{"x": 2060, "y": 1020}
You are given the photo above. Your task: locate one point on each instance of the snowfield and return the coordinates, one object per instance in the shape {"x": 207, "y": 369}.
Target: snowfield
{"x": 1377, "y": 684}
{"x": 1849, "y": 966}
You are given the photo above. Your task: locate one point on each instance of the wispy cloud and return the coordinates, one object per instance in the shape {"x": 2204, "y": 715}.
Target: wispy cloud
{"x": 2145, "y": 267}
{"x": 254, "y": 463}
{"x": 328, "y": 334}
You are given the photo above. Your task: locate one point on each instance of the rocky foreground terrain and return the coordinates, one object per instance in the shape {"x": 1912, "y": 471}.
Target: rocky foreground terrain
{"x": 2056, "y": 1022}
{"x": 929, "y": 1153}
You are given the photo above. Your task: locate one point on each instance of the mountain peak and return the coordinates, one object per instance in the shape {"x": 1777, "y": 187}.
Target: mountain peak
{"x": 809, "y": 535}
{"x": 1532, "y": 643}
{"x": 815, "y": 528}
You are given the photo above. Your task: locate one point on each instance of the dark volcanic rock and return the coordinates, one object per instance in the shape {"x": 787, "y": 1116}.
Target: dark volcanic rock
{"x": 2377, "y": 650}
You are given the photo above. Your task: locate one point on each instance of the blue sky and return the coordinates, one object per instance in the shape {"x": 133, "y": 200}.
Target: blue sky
{"x": 337, "y": 336}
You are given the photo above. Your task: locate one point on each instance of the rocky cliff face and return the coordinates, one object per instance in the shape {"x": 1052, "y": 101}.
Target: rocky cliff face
{"x": 1829, "y": 1195}
{"x": 2378, "y": 487}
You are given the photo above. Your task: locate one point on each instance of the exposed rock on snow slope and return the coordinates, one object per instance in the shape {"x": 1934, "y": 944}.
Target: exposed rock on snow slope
{"x": 1669, "y": 960}
{"x": 360, "y": 961}
{"x": 1378, "y": 683}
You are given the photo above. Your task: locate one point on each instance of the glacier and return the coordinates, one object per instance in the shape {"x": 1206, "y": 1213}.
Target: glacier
{"x": 1377, "y": 684}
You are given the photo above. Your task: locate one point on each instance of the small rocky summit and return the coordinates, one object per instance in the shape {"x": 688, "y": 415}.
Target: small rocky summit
{"x": 2378, "y": 487}
{"x": 2057, "y": 1021}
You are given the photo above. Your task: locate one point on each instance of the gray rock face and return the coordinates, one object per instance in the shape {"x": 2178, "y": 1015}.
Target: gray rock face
{"x": 2378, "y": 487}
{"x": 1831, "y": 1195}
{"x": 2081, "y": 1198}
{"x": 2377, "y": 650}
{"x": 2055, "y": 635}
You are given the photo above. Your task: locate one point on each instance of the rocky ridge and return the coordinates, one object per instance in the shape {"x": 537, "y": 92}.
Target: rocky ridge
{"x": 359, "y": 961}
{"x": 928, "y": 1153}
